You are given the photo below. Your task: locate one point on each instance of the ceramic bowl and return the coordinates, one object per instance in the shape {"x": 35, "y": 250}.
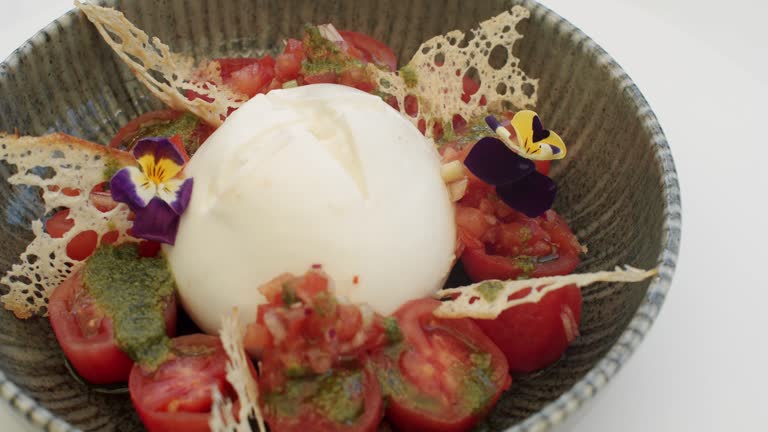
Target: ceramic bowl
{"x": 619, "y": 190}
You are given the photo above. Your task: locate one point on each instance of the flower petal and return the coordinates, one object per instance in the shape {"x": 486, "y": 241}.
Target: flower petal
{"x": 494, "y": 163}
{"x": 532, "y": 195}
{"x": 157, "y": 222}
{"x": 534, "y": 141}
{"x": 176, "y": 193}
{"x": 556, "y": 145}
{"x": 159, "y": 158}
{"x": 131, "y": 186}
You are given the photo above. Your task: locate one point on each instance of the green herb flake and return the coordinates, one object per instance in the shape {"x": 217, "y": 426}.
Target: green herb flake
{"x": 325, "y": 304}
{"x": 478, "y": 385}
{"x": 339, "y": 396}
{"x": 525, "y": 234}
{"x": 289, "y": 295}
{"x": 110, "y": 169}
{"x": 392, "y": 330}
{"x": 408, "y": 73}
{"x": 525, "y": 263}
{"x": 490, "y": 290}
{"x": 324, "y": 55}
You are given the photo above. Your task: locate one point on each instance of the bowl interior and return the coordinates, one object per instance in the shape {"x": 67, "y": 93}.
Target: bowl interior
{"x": 611, "y": 186}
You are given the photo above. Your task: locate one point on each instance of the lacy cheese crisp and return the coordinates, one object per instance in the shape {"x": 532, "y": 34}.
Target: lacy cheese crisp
{"x": 65, "y": 169}
{"x": 435, "y": 74}
{"x": 169, "y": 76}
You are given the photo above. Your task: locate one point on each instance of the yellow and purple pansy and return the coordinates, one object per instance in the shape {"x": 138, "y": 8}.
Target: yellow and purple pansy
{"x": 531, "y": 140}
{"x": 156, "y": 191}
{"x": 506, "y": 162}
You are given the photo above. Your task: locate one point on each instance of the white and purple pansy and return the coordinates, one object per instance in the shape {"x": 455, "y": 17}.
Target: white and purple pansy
{"x": 506, "y": 162}
{"x": 156, "y": 191}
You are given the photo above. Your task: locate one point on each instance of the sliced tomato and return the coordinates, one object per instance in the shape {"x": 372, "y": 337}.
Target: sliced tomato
{"x": 86, "y": 335}
{"x": 357, "y": 78}
{"x": 329, "y": 77}
{"x": 252, "y": 78}
{"x": 231, "y": 65}
{"x": 126, "y": 135}
{"x": 303, "y": 327}
{"x": 288, "y": 63}
{"x": 534, "y": 335}
{"x": 370, "y": 50}
{"x": 516, "y": 245}
{"x": 59, "y": 224}
{"x": 444, "y": 376}
{"x": 163, "y": 123}
{"x": 177, "y": 396}
{"x": 341, "y": 400}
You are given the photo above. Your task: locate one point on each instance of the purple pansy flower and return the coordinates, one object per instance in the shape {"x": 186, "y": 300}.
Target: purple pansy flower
{"x": 156, "y": 191}
{"x": 517, "y": 183}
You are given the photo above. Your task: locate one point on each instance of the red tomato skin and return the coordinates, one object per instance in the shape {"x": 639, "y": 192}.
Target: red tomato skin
{"x": 163, "y": 421}
{"x": 542, "y": 166}
{"x": 98, "y": 359}
{"x": 287, "y": 67}
{"x": 98, "y": 362}
{"x": 230, "y": 65}
{"x": 369, "y": 49}
{"x": 329, "y": 77}
{"x": 533, "y": 336}
{"x": 253, "y": 78}
{"x": 410, "y": 419}
{"x": 134, "y": 125}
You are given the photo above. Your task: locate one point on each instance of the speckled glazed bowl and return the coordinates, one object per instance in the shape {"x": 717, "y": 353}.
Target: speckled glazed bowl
{"x": 618, "y": 186}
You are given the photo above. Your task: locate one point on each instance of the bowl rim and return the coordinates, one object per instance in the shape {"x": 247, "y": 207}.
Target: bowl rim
{"x": 556, "y": 411}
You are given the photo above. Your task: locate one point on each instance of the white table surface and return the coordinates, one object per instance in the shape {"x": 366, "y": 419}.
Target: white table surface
{"x": 702, "y": 65}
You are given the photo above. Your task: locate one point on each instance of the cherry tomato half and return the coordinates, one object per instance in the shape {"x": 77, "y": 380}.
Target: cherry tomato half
{"x": 178, "y": 395}
{"x": 86, "y": 335}
{"x": 534, "y": 335}
{"x": 445, "y": 375}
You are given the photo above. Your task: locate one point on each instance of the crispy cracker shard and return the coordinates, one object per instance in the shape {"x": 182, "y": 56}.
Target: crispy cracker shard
{"x": 65, "y": 169}
{"x": 239, "y": 375}
{"x": 487, "y": 299}
{"x": 435, "y": 76}
{"x": 168, "y": 75}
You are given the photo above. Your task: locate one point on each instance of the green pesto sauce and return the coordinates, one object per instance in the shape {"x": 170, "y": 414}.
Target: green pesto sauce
{"x": 408, "y": 73}
{"x": 525, "y": 263}
{"x": 393, "y": 384}
{"x": 392, "y": 330}
{"x": 110, "y": 169}
{"x": 478, "y": 384}
{"x": 132, "y": 290}
{"x": 489, "y": 290}
{"x": 525, "y": 234}
{"x": 337, "y": 395}
{"x": 289, "y": 295}
{"x": 323, "y": 55}
{"x": 184, "y": 126}
{"x": 476, "y": 129}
